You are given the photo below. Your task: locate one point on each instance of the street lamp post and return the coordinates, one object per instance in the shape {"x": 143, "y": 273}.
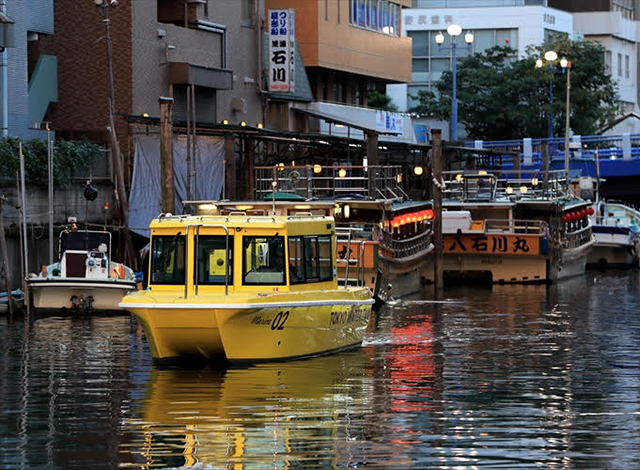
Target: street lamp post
{"x": 565, "y": 65}
{"x": 454, "y": 30}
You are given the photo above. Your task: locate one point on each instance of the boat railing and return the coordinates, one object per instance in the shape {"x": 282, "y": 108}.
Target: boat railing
{"x": 475, "y": 185}
{"x": 334, "y": 181}
{"x": 404, "y": 248}
{"x": 520, "y": 226}
{"x": 354, "y": 255}
{"x": 572, "y": 240}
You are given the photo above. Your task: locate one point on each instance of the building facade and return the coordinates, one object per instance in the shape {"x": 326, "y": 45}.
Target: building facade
{"x": 28, "y": 73}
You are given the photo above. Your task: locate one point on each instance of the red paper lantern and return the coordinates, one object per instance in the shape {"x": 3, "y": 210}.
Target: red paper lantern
{"x": 590, "y": 211}
{"x": 566, "y": 217}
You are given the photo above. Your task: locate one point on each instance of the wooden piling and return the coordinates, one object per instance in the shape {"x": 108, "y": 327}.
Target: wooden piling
{"x": 5, "y": 273}
{"x": 166, "y": 154}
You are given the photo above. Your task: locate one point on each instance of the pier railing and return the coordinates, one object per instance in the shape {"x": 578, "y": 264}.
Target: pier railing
{"x": 317, "y": 181}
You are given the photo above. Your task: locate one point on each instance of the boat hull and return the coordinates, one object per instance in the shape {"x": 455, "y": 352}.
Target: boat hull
{"x": 614, "y": 247}
{"x": 18, "y": 301}
{"x": 78, "y": 294}
{"x": 275, "y": 327}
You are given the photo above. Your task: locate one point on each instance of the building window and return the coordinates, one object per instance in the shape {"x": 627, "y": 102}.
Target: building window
{"x": 619, "y": 64}
{"x": 247, "y": 12}
{"x": 431, "y": 59}
{"x": 607, "y": 61}
{"x": 376, "y": 15}
{"x": 626, "y": 66}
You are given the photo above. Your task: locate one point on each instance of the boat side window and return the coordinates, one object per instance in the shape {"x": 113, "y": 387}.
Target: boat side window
{"x": 263, "y": 260}
{"x": 168, "y": 259}
{"x": 213, "y": 259}
{"x": 296, "y": 266}
{"x": 310, "y": 259}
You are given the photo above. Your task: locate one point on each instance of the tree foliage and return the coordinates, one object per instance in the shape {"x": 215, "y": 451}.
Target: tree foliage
{"x": 70, "y": 159}
{"x": 501, "y": 98}
{"x": 382, "y": 101}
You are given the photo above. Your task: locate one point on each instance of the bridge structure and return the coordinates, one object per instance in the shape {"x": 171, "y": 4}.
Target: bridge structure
{"x": 614, "y": 158}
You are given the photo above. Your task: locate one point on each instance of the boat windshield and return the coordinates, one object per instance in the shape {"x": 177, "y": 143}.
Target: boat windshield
{"x": 263, "y": 260}
{"x": 213, "y": 259}
{"x": 168, "y": 259}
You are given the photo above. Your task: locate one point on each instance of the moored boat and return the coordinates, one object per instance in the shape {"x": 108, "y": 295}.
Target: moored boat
{"x": 616, "y": 229}
{"x": 392, "y": 235}
{"x": 242, "y": 287}
{"x": 18, "y": 301}
{"x": 510, "y": 230}
{"x": 85, "y": 278}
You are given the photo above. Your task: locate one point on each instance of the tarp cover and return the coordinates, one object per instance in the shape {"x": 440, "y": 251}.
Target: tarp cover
{"x": 145, "y": 202}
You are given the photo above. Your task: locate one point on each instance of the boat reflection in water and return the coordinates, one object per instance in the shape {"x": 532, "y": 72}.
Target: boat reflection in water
{"x": 279, "y": 414}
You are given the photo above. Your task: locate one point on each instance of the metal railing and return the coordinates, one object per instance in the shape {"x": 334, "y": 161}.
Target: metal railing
{"x": 404, "y": 248}
{"x": 572, "y": 240}
{"x": 523, "y": 226}
{"x": 520, "y": 184}
{"x": 317, "y": 181}
{"x": 345, "y": 235}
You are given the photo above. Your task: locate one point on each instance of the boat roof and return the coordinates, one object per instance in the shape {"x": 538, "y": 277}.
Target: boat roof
{"x": 327, "y": 205}
{"x": 83, "y": 240}
{"x": 241, "y": 220}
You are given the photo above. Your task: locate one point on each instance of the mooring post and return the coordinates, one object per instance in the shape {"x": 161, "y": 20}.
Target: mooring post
{"x": 4, "y": 260}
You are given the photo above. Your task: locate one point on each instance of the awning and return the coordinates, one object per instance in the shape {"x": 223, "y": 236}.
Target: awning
{"x": 188, "y": 74}
{"x": 333, "y": 119}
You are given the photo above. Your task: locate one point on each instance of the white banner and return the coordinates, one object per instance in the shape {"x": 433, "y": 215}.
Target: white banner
{"x": 281, "y": 50}
{"x": 390, "y": 122}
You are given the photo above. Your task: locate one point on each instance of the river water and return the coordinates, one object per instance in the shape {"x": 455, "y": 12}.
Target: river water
{"x": 512, "y": 376}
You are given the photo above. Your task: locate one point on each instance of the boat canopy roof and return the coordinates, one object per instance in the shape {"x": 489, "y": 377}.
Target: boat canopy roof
{"x": 83, "y": 240}
{"x": 299, "y": 223}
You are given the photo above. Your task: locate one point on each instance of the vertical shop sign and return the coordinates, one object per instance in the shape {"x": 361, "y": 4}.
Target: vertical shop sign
{"x": 281, "y": 50}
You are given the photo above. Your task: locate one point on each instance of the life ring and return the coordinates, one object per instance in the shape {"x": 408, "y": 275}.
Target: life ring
{"x": 294, "y": 175}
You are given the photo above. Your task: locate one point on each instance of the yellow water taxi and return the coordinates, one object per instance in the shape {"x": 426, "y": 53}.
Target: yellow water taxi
{"x": 247, "y": 288}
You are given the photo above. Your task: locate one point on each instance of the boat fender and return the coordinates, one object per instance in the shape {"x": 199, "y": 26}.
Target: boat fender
{"x": 544, "y": 245}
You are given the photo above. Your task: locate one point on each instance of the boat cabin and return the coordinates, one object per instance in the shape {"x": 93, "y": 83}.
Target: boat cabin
{"x": 240, "y": 252}
{"x": 84, "y": 254}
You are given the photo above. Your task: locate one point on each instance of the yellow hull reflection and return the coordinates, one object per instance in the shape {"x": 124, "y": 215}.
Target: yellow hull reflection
{"x": 275, "y": 415}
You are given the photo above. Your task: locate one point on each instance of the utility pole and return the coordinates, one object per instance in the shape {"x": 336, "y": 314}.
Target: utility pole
{"x": 121, "y": 193}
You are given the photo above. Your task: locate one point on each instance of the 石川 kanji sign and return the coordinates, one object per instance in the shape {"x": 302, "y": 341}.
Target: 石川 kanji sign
{"x": 281, "y": 50}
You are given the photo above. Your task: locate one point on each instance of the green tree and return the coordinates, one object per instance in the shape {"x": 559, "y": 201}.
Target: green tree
{"x": 501, "y": 98}
{"x": 69, "y": 159}
{"x": 382, "y": 101}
